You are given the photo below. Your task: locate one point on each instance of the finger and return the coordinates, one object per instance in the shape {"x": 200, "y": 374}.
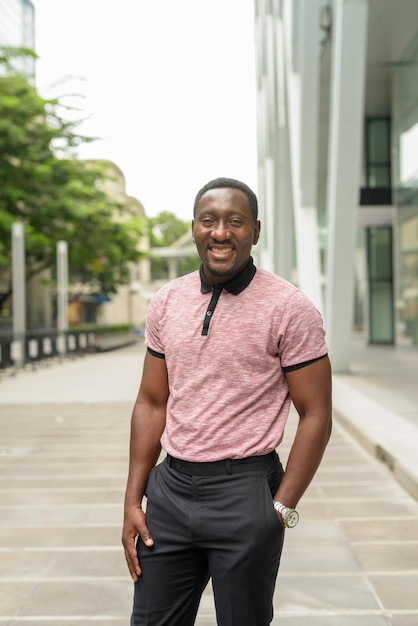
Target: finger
{"x": 131, "y": 556}
{"x": 133, "y": 566}
{"x": 146, "y": 537}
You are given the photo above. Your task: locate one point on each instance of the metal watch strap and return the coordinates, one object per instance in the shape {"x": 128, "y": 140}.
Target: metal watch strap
{"x": 290, "y": 516}
{"x": 280, "y": 508}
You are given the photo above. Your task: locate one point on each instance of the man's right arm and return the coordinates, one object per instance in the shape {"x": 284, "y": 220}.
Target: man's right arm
{"x": 147, "y": 425}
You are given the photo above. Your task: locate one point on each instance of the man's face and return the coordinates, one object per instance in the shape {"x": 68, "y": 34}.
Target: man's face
{"x": 224, "y": 231}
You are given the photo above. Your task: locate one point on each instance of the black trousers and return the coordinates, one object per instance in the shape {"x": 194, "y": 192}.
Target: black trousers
{"x": 210, "y": 521}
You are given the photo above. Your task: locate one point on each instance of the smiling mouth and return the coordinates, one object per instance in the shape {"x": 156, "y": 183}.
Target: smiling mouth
{"x": 221, "y": 251}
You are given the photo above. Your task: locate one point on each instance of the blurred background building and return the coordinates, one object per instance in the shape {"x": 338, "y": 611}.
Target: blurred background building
{"x": 128, "y": 306}
{"x": 17, "y": 28}
{"x": 337, "y": 96}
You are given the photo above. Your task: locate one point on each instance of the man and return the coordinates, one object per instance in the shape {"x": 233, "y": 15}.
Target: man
{"x": 228, "y": 348}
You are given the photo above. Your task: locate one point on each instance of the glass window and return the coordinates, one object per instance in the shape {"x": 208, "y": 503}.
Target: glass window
{"x": 379, "y": 245}
{"x": 408, "y": 301}
{"x": 378, "y": 152}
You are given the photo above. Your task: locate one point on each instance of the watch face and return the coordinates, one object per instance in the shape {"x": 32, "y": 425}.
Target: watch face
{"x": 292, "y": 519}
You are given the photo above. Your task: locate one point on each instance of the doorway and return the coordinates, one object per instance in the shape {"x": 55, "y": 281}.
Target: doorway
{"x": 380, "y": 273}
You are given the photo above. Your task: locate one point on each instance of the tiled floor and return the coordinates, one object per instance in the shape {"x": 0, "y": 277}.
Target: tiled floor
{"x": 352, "y": 560}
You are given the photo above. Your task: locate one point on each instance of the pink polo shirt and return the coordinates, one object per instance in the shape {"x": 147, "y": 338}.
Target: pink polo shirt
{"x": 228, "y": 392}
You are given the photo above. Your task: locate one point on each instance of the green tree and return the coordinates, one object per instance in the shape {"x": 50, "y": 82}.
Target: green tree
{"x": 164, "y": 230}
{"x": 56, "y": 196}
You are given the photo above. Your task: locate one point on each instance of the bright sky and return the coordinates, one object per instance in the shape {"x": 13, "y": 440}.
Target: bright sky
{"x": 169, "y": 87}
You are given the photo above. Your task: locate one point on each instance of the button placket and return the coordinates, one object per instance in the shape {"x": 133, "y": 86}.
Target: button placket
{"x": 211, "y": 309}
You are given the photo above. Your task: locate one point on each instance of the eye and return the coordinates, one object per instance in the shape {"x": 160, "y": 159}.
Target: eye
{"x": 235, "y": 221}
{"x": 206, "y": 221}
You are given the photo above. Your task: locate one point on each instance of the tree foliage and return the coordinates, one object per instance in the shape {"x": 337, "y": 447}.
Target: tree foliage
{"x": 56, "y": 196}
{"x": 164, "y": 230}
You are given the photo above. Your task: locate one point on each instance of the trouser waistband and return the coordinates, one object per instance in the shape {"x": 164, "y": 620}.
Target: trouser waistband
{"x": 219, "y": 468}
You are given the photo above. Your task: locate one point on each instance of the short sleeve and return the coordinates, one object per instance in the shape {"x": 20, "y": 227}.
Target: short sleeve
{"x": 302, "y": 334}
{"x": 152, "y": 334}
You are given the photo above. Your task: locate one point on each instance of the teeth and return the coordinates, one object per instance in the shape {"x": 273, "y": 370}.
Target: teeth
{"x": 221, "y": 250}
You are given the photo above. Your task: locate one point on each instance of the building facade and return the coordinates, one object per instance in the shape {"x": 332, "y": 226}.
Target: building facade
{"x": 129, "y": 304}
{"x": 40, "y": 303}
{"x": 17, "y": 28}
{"x": 337, "y": 97}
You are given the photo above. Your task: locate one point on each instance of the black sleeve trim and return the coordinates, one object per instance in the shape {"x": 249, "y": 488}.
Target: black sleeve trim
{"x": 157, "y": 354}
{"x": 298, "y": 366}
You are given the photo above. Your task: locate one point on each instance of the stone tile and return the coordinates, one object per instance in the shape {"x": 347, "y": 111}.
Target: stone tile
{"x": 33, "y": 537}
{"x": 377, "y": 489}
{"x": 353, "y": 509}
{"x": 332, "y": 620}
{"x": 315, "y": 530}
{"x": 59, "y": 497}
{"x": 326, "y": 557}
{"x": 63, "y": 563}
{"x": 405, "y": 620}
{"x": 343, "y": 461}
{"x": 42, "y": 516}
{"x": 386, "y": 556}
{"x": 27, "y": 482}
{"x": 56, "y": 467}
{"x": 85, "y": 598}
{"x": 323, "y": 593}
{"x": 90, "y": 563}
{"x": 110, "y": 621}
{"x": 375, "y": 529}
{"x": 70, "y": 459}
{"x": 397, "y": 591}
{"x": 106, "y": 514}
{"x": 19, "y": 564}
{"x": 97, "y": 536}
{"x": 348, "y": 474}
{"x": 13, "y": 595}
{"x": 356, "y": 463}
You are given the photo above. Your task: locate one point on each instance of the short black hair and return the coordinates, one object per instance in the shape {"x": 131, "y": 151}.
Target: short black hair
{"x": 223, "y": 182}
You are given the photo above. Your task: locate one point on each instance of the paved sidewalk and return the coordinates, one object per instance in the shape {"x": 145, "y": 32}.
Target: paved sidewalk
{"x": 378, "y": 403}
{"x": 352, "y": 560}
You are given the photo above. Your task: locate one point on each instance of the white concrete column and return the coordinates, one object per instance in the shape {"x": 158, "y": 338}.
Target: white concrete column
{"x": 62, "y": 296}
{"x": 275, "y": 249}
{"x": 346, "y": 131}
{"x": 172, "y": 268}
{"x": 284, "y": 235}
{"x": 270, "y": 217}
{"x": 19, "y": 293}
{"x": 309, "y": 270}
{"x": 301, "y": 53}
{"x": 263, "y": 252}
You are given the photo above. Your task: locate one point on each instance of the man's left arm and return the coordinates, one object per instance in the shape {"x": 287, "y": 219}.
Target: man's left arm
{"x": 310, "y": 391}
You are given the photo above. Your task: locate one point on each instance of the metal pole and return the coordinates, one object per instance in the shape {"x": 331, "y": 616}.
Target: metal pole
{"x": 19, "y": 293}
{"x": 62, "y": 295}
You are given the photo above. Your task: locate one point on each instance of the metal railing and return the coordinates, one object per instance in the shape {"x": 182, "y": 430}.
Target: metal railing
{"x": 36, "y": 346}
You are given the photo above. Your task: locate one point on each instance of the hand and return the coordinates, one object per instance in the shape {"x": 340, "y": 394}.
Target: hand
{"x": 279, "y": 515}
{"x": 134, "y": 526}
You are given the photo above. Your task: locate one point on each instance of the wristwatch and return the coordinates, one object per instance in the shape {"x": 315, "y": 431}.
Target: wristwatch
{"x": 290, "y": 517}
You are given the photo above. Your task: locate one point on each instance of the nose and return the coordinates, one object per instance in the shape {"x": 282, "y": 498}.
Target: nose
{"x": 221, "y": 231}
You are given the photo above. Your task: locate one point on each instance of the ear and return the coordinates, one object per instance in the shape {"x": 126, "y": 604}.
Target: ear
{"x": 257, "y": 232}
{"x": 193, "y": 239}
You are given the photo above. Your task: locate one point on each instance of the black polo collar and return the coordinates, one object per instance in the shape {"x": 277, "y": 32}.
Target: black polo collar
{"x": 235, "y": 285}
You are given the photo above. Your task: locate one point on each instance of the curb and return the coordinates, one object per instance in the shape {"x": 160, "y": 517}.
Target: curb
{"x": 385, "y": 435}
